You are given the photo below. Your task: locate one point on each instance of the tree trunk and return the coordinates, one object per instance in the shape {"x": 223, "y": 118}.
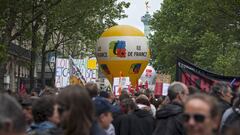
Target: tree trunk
{"x": 33, "y": 55}
{"x": 43, "y": 65}
{"x": 43, "y": 62}
{"x": 2, "y": 68}
{"x": 54, "y": 69}
{"x": 35, "y": 26}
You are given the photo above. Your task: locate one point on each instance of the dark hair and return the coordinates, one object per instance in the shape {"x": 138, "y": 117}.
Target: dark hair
{"x": 148, "y": 93}
{"x": 81, "y": 111}
{"x": 211, "y": 101}
{"x": 156, "y": 102}
{"x": 236, "y": 105}
{"x": 43, "y": 108}
{"x": 92, "y": 89}
{"x": 123, "y": 96}
{"x": 174, "y": 89}
{"x": 219, "y": 87}
{"x": 104, "y": 94}
{"x": 127, "y": 105}
{"x": 143, "y": 99}
{"x": 102, "y": 105}
{"x": 193, "y": 90}
{"x": 136, "y": 94}
{"x": 26, "y": 102}
{"x": 11, "y": 110}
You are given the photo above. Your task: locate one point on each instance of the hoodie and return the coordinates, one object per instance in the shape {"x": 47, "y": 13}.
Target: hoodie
{"x": 139, "y": 122}
{"x": 169, "y": 110}
{"x": 169, "y": 120}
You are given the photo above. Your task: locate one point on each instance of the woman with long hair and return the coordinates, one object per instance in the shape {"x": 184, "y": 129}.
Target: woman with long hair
{"x": 77, "y": 112}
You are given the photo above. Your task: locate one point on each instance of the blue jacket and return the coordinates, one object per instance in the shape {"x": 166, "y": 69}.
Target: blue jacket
{"x": 44, "y": 128}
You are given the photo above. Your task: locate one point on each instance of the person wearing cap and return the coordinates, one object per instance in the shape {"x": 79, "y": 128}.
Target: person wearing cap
{"x": 104, "y": 114}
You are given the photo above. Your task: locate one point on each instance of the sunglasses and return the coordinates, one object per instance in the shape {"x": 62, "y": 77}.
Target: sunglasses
{"x": 197, "y": 117}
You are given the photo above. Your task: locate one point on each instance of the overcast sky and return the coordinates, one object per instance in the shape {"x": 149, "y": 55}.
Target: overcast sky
{"x": 136, "y": 10}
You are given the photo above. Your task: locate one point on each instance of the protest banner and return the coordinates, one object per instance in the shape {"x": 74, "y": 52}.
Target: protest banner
{"x": 192, "y": 75}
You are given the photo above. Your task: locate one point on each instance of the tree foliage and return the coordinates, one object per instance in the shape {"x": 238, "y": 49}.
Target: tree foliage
{"x": 56, "y": 25}
{"x": 203, "y": 32}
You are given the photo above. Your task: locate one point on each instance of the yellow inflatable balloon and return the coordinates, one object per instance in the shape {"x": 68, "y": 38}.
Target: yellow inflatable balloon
{"x": 122, "y": 50}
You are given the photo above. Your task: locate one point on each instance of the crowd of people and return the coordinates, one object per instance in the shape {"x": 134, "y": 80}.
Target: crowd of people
{"x": 77, "y": 110}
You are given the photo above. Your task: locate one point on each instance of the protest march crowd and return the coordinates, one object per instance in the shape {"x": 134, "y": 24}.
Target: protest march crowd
{"x": 77, "y": 110}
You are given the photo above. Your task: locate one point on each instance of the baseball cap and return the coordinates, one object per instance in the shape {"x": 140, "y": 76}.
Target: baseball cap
{"x": 102, "y": 106}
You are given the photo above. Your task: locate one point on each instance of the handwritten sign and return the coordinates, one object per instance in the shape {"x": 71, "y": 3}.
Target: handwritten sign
{"x": 89, "y": 72}
{"x": 62, "y": 73}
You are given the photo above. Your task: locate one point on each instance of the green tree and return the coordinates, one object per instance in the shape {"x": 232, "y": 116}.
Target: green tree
{"x": 203, "y": 32}
{"x": 75, "y": 25}
{"x": 47, "y": 25}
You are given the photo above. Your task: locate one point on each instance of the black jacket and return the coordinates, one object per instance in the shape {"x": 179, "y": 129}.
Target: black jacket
{"x": 231, "y": 119}
{"x": 223, "y": 105}
{"x": 140, "y": 122}
{"x": 169, "y": 120}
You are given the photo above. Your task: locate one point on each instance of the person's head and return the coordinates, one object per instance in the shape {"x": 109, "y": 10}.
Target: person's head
{"x": 27, "y": 109}
{"x": 47, "y": 91}
{"x": 12, "y": 120}
{"x": 103, "y": 111}
{"x": 107, "y": 95}
{"x": 223, "y": 91}
{"x": 193, "y": 90}
{"x": 92, "y": 89}
{"x": 76, "y": 110}
{"x": 123, "y": 96}
{"x": 143, "y": 99}
{"x": 143, "y": 102}
{"x": 128, "y": 105}
{"x": 201, "y": 114}
{"x": 178, "y": 91}
{"x": 148, "y": 93}
{"x": 45, "y": 109}
{"x": 157, "y": 102}
{"x": 104, "y": 94}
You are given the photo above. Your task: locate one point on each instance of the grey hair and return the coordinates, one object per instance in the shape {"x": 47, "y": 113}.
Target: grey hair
{"x": 175, "y": 88}
{"x": 218, "y": 88}
{"x": 11, "y": 111}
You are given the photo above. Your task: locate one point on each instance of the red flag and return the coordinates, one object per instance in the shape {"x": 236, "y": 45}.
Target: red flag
{"x": 158, "y": 88}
